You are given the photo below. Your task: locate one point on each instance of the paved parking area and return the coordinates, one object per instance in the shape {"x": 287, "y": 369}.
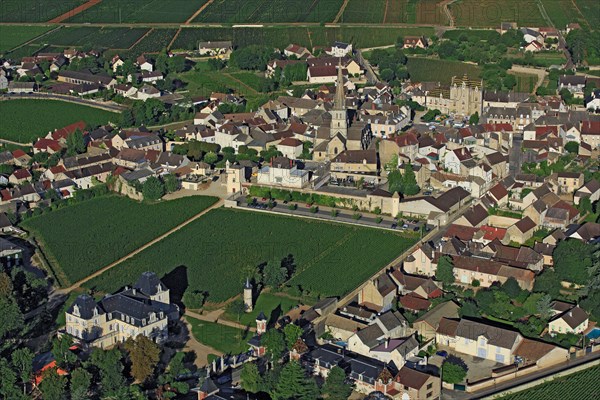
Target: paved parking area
{"x": 479, "y": 368}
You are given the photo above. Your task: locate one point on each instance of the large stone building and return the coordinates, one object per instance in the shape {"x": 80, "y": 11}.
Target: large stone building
{"x": 144, "y": 309}
{"x": 464, "y": 97}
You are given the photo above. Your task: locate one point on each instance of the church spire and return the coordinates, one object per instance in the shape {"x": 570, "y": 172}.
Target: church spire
{"x": 340, "y": 95}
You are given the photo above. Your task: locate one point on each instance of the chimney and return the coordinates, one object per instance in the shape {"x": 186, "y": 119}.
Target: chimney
{"x": 570, "y": 313}
{"x": 387, "y": 342}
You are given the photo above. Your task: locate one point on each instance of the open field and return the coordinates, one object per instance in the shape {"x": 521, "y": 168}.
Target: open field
{"x": 490, "y": 13}
{"x": 434, "y": 70}
{"x": 580, "y": 385}
{"x": 154, "y": 42}
{"x": 240, "y": 11}
{"x": 226, "y": 339}
{"x": 589, "y": 8}
{"x": 562, "y": 12}
{"x": 215, "y": 249}
{"x": 266, "y": 303}
{"x": 18, "y": 125}
{"x": 93, "y": 37}
{"x": 525, "y": 82}
{"x": 359, "y": 11}
{"x": 35, "y": 10}
{"x": 132, "y": 11}
{"x": 80, "y": 239}
{"x": 12, "y": 35}
{"x": 428, "y": 12}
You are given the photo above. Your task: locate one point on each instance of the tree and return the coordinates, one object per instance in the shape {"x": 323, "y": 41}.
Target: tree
{"x": 335, "y": 386}
{"x": 445, "y": 271}
{"x": 274, "y": 343}
{"x": 171, "y": 183}
{"x": 274, "y": 274}
{"x": 127, "y": 118}
{"x": 8, "y": 381}
{"x": 454, "y": 370}
{"x": 251, "y": 380}
{"x": 474, "y": 118}
{"x": 387, "y": 74}
{"x": 544, "y": 307}
{"x": 572, "y": 147}
{"x": 144, "y": 355}
{"x": 293, "y": 384}
{"x": 395, "y": 182}
{"x": 511, "y": 288}
{"x": 210, "y": 158}
{"x": 572, "y": 259}
{"x": 110, "y": 367}
{"x": 80, "y": 384}
{"x": 237, "y": 308}
{"x": 409, "y": 181}
{"x": 21, "y": 361}
{"x": 153, "y": 189}
{"x": 61, "y": 350}
{"x": 292, "y": 333}
{"x": 75, "y": 143}
{"x": 53, "y": 386}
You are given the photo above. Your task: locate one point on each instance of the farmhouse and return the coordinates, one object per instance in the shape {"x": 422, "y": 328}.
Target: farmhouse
{"x": 415, "y": 42}
{"x": 215, "y": 48}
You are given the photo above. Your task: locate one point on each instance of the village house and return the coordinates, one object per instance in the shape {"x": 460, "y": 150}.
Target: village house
{"x": 291, "y": 148}
{"x": 590, "y": 190}
{"x": 428, "y": 324}
{"x": 573, "y": 83}
{"x": 378, "y": 294}
{"x": 293, "y": 50}
{"x": 340, "y": 49}
{"x": 568, "y": 318}
{"x": 415, "y": 42}
{"x": 354, "y": 165}
{"x": 568, "y": 182}
{"x": 479, "y": 340}
{"x": 283, "y": 172}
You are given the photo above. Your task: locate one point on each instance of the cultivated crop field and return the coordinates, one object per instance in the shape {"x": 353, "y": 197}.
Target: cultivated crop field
{"x": 433, "y": 70}
{"x": 359, "y": 11}
{"x": 113, "y": 38}
{"x": 13, "y": 35}
{"x": 490, "y": 13}
{"x": 18, "y": 125}
{"x": 240, "y": 11}
{"x": 35, "y": 10}
{"x": 331, "y": 259}
{"x": 82, "y": 238}
{"x": 132, "y": 11}
{"x": 562, "y": 12}
{"x": 589, "y": 8}
{"x": 577, "y": 386}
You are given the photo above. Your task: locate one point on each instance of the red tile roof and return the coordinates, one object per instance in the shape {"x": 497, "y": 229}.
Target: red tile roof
{"x": 22, "y": 173}
{"x": 43, "y": 144}
{"x": 491, "y": 233}
{"x": 18, "y": 153}
{"x": 499, "y": 192}
{"x": 414, "y": 302}
{"x": 67, "y": 130}
{"x": 290, "y": 141}
{"x": 462, "y": 232}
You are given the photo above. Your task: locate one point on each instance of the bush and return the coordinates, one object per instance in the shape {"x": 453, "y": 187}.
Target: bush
{"x": 293, "y": 207}
{"x": 356, "y": 216}
{"x": 314, "y": 209}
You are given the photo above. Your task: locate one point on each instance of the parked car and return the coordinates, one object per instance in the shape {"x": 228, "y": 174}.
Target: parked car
{"x": 416, "y": 229}
{"x": 404, "y": 226}
{"x": 394, "y": 226}
{"x": 442, "y": 353}
{"x": 427, "y": 193}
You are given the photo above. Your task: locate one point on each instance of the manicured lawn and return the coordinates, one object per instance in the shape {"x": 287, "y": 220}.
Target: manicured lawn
{"x": 434, "y": 70}
{"x": 82, "y": 238}
{"x": 579, "y": 385}
{"x": 117, "y": 11}
{"x": 24, "y": 121}
{"x": 35, "y": 10}
{"x": 331, "y": 259}
{"x": 266, "y": 303}
{"x": 224, "y": 338}
{"x": 13, "y": 35}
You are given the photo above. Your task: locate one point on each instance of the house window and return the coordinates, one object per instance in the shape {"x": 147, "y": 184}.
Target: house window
{"x": 429, "y": 386}
{"x": 429, "y": 394}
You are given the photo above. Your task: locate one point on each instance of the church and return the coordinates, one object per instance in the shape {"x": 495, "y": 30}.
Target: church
{"x": 345, "y": 132}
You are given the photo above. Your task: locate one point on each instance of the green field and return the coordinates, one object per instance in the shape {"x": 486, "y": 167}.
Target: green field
{"x": 18, "y": 125}
{"x": 82, "y": 238}
{"x": 331, "y": 259}
{"x": 132, "y": 11}
{"x": 154, "y": 42}
{"x": 525, "y": 82}
{"x": 223, "y": 338}
{"x": 589, "y": 8}
{"x": 94, "y": 37}
{"x": 13, "y": 35}
{"x": 562, "y": 12}
{"x": 490, "y": 13}
{"x": 35, "y": 10}
{"x": 434, "y": 70}
{"x": 240, "y": 11}
{"x": 357, "y": 12}
{"x": 576, "y": 386}
{"x": 265, "y": 303}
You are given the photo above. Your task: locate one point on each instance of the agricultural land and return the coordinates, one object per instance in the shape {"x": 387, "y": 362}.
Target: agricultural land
{"x": 19, "y": 126}
{"x": 222, "y": 246}
{"x": 82, "y": 238}
{"x": 13, "y": 35}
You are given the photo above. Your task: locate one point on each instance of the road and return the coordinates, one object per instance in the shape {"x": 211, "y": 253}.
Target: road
{"x": 112, "y": 107}
{"x": 140, "y": 249}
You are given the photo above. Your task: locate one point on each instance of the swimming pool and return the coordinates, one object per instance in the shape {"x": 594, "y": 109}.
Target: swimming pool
{"x": 594, "y": 334}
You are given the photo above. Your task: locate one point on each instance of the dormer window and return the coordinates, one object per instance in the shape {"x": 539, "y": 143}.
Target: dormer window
{"x": 95, "y": 311}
